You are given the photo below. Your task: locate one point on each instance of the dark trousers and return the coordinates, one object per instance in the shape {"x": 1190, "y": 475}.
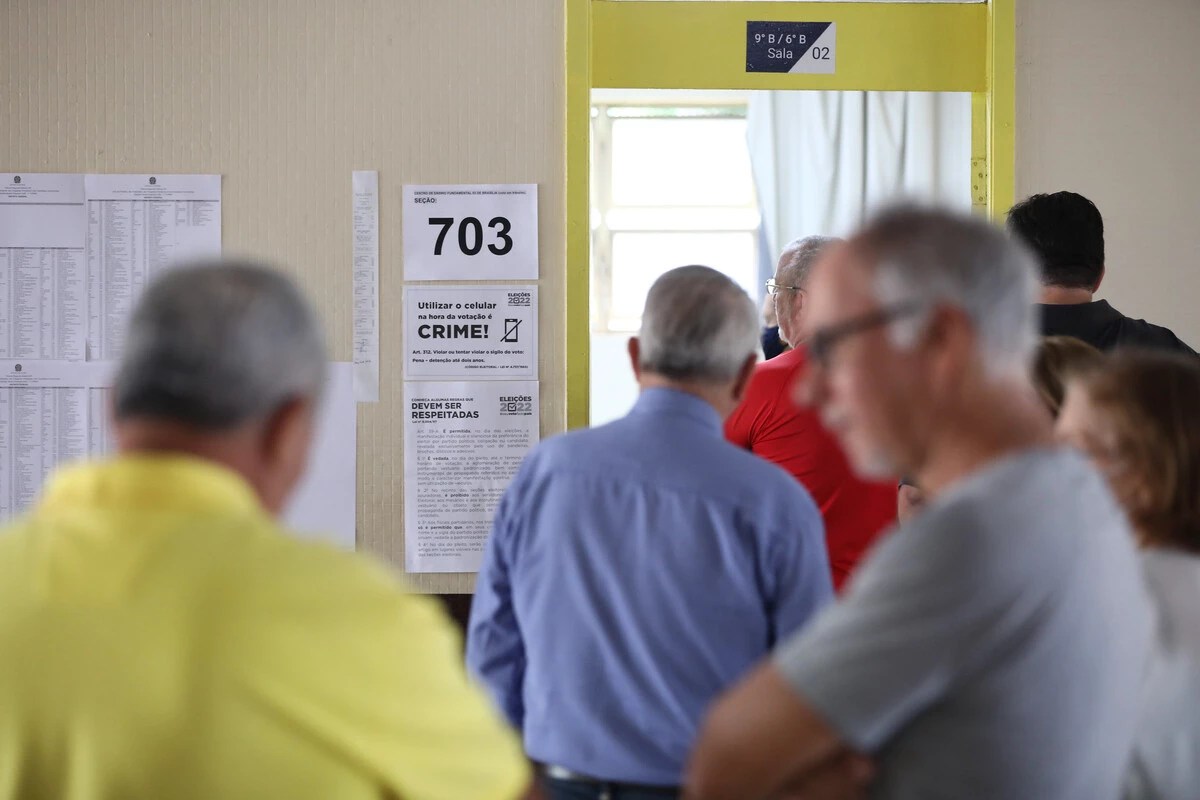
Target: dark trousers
{"x": 557, "y": 789}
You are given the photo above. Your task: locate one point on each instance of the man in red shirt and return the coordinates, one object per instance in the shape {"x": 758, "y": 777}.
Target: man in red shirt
{"x": 770, "y": 425}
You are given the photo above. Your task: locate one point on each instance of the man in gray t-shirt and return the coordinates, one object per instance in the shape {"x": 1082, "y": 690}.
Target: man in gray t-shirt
{"x": 966, "y": 655}
{"x": 993, "y": 647}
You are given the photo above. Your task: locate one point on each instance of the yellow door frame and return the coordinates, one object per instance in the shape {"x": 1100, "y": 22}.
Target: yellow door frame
{"x": 700, "y": 44}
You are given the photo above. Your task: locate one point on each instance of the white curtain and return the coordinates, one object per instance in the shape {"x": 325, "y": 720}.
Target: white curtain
{"x": 822, "y": 161}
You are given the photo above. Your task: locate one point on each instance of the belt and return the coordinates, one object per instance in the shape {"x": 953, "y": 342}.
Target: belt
{"x": 555, "y": 772}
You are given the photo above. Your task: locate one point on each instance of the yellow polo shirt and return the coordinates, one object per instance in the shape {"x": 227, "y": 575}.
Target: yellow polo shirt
{"x": 161, "y": 637}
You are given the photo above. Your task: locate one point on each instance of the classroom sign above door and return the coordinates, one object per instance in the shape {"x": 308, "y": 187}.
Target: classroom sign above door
{"x": 797, "y": 47}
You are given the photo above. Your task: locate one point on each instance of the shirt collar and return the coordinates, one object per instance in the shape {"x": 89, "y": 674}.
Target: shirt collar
{"x": 1095, "y": 313}
{"x": 171, "y": 482}
{"x": 672, "y": 402}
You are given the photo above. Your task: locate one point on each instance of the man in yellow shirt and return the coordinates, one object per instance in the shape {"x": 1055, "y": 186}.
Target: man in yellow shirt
{"x": 162, "y": 637}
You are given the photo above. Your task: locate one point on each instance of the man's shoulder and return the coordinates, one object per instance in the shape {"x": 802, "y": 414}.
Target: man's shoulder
{"x": 298, "y": 609}
{"x": 1039, "y": 504}
{"x": 18, "y": 552}
{"x": 1015, "y": 480}
{"x": 575, "y": 445}
{"x": 716, "y": 467}
{"x": 780, "y": 371}
{"x": 1140, "y": 333}
{"x": 279, "y": 570}
{"x": 768, "y": 396}
{"x": 764, "y": 486}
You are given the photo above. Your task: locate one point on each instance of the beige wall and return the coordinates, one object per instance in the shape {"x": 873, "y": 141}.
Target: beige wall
{"x": 284, "y": 98}
{"x": 1108, "y": 105}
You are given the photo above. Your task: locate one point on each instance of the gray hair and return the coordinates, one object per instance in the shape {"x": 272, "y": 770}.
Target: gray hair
{"x": 929, "y": 256}
{"x": 698, "y": 325}
{"x": 797, "y": 259}
{"x": 217, "y": 344}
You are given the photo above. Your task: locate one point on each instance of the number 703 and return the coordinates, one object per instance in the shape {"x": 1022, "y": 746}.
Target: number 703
{"x": 470, "y": 235}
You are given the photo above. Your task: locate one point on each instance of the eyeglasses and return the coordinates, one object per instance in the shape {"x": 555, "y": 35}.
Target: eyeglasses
{"x": 821, "y": 343}
{"x": 775, "y": 288}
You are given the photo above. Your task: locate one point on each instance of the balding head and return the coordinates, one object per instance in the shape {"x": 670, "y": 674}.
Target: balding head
{"x": 699, "y": 333}
{"x": 698, "y": 325}
{"x": 791, "y": 276}
{"x": 218, "y": 356}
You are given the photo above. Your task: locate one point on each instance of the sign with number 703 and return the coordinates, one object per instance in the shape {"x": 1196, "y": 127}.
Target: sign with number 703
{"x": 470, "y": 232}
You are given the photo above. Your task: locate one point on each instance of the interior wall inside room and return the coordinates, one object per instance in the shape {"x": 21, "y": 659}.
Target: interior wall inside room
{"x": 1108, "y": 105}
{"x": 284, "y": 98}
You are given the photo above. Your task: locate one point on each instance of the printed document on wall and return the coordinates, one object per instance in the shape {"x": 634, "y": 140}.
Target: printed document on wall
{"x": 365, "y": 185}
{"x": 324, "y": 504}
{"x": 471, "y": 232}
{"x": 137, "y": 226}
{"x": 76, "y": 251}
{"x": 463, "y": 443}
{"x": 43, "y": 278}
{"x": 471, "y": 332}
{"x": 40, "y": 429}
{"x": 43, "y": 329}
{"x": 44, "y": 422}
{"x": 54, "y": 412}
{"x": 42, "y": 209}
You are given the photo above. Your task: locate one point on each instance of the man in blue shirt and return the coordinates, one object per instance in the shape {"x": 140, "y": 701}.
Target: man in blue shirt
{"x": 636, "y": 569}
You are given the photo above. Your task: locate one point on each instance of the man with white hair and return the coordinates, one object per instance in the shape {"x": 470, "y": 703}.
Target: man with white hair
{"x": 770, "y": 424}
{"x": 992, "y": 647}
{"x": 164, "y": 637}
{"x": 636, "y": 569}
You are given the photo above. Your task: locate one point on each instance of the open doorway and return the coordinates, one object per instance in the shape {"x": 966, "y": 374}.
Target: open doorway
{"x": 728, "y": 178}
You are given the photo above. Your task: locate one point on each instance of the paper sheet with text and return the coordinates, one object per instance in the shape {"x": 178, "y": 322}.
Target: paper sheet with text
{"x": 463, "y": 443}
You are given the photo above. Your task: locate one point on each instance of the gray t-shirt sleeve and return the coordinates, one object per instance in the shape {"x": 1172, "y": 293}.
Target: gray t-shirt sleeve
{"x": 928, "y": 605}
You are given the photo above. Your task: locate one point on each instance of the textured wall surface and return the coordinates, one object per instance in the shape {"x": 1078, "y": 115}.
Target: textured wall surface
{"x": 285, "y": 99}
{"x": 1108, "y": 105}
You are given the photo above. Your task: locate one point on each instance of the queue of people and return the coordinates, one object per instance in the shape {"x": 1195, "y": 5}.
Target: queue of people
{"x": 709, "y": 599}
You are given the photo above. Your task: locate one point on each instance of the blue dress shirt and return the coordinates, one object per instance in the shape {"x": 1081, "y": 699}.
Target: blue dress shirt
{"x": 634, "y": 571}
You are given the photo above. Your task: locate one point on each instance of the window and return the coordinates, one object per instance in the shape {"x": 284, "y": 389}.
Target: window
{"x": 671, "y": 185}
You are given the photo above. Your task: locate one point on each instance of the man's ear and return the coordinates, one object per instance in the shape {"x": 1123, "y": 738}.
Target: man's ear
{"x": 285, "y": 442}
{"x": 799, "y": 298}
{"x": 796, "y": 315}
{"x": 742, "y": 382}
{"x": 951, "y": 339}
{"x": 1099, "y": 280}
{"x": 635, "y": 352}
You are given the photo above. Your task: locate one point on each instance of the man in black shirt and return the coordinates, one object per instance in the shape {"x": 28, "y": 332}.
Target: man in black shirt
{"x": 1066, "y": 233}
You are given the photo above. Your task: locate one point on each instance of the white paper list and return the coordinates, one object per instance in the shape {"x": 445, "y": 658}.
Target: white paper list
{"x": 137, "y": 226}
{"x": 102, "y": 441}
{"x": 43, "y": 279}
{"x": 46, "y": 419}
{"x": 43, "y": 303}
{"x": 365, "y": 185}
{"x": 42, "y": 209}
{"x": 43, "y": 321}
{"x": 40, "y": 429}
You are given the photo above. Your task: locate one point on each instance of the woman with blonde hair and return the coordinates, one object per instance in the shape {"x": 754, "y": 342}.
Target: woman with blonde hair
{"x": 1056, "y": 360}
{"x": 1138, "y": 418}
